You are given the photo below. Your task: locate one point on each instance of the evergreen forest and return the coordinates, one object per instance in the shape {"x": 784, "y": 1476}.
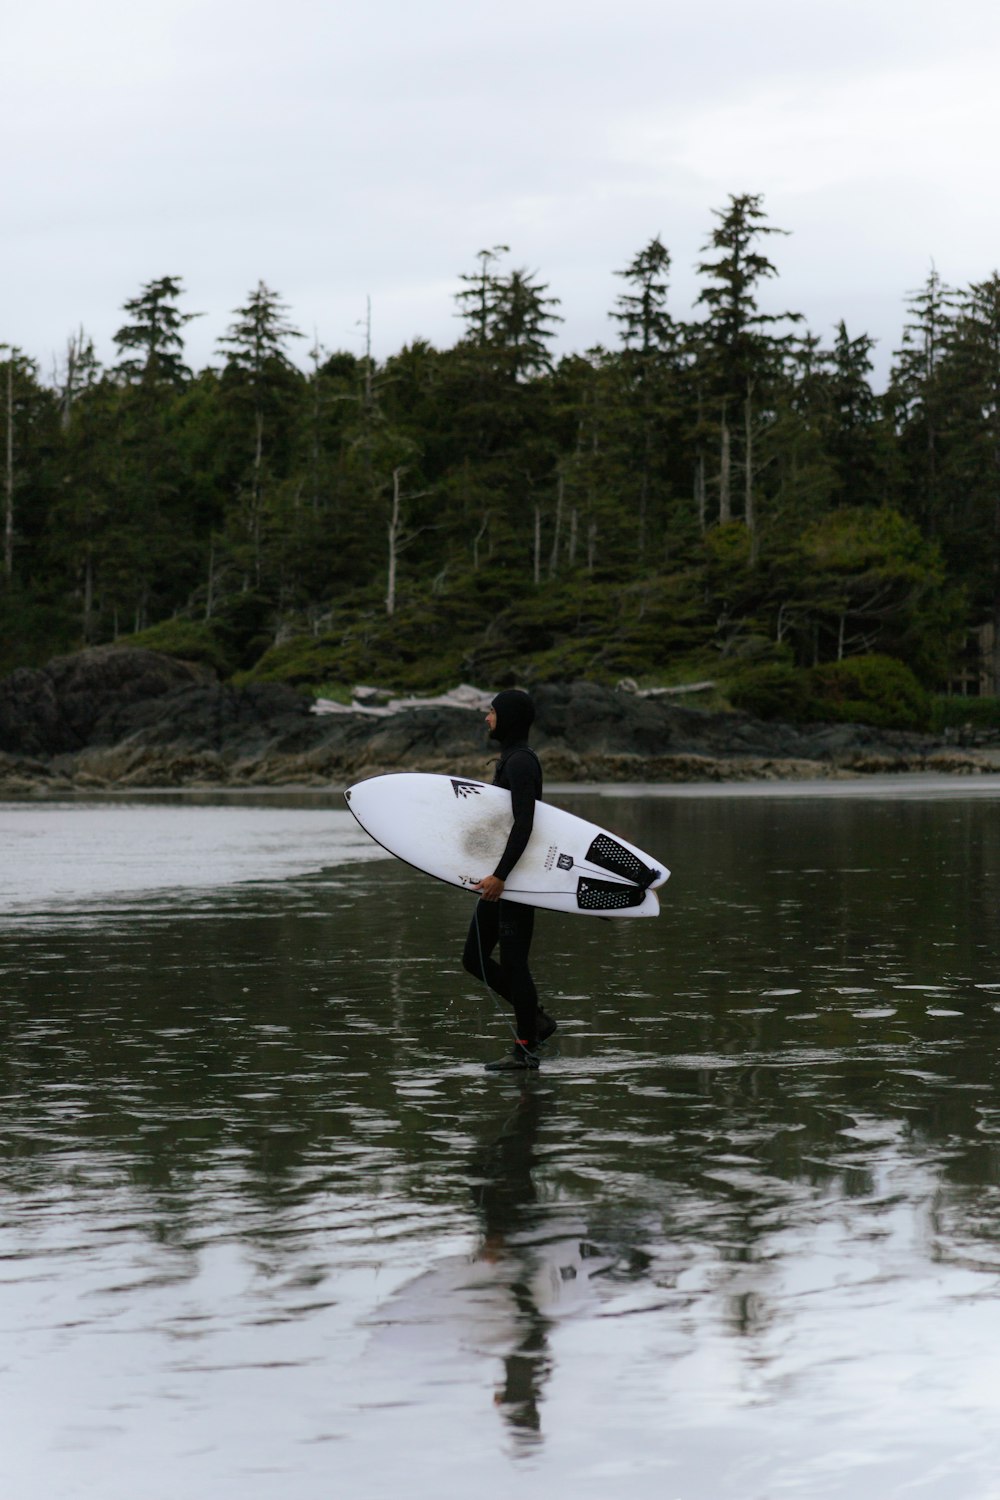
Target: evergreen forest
{"x": 719, "y": 495}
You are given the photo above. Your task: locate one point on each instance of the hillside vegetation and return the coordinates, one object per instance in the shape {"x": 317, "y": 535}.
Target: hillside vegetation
{"x": 722, "y": 495}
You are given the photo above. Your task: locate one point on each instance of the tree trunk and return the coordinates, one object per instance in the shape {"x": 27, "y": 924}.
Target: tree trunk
{"x": 995, "y": 643}
{"x": 210, "y": 591}
{"x": 88, "y": 594}
{"x": 8, "y": 525}
{"x": 369, "y": 399}
{"x": 68, "y": 390}
{"x": 538, "y": 545}
{"x": 483, "y": 527}
{"x": 394, "y": 530}
{"x": 748, "y": 510}
{"x": 643, "y": 507}
{"x": 255, "y": 498}
{"x": 725, "y": 474}
{"x": 749, "y": 514}
{"x": 699, "y": 493}
{"x": 554, "y": 554}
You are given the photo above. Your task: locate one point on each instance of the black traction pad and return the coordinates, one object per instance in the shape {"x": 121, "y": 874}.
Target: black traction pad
{"x": 608, "y": 854}
{"x": 607, "y": 895}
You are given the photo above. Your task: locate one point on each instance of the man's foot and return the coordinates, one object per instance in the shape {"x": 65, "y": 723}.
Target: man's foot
{"x": 518, "y": 1060}
{"x": 546, "y": 1027}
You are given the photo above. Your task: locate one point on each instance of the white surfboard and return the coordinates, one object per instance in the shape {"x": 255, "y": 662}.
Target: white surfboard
{"x": 456, "y": 830}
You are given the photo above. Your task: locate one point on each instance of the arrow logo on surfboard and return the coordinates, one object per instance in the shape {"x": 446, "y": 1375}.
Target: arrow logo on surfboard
{"x": 466, "y": 788}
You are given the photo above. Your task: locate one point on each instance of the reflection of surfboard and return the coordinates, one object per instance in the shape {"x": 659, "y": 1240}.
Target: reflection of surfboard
{"x": 456, "y": 829}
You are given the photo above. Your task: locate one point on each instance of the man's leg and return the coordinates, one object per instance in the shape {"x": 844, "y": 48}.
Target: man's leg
{"x": 511, "y": 925}
{"x": 517, "y": 925}
{"x": 482, "y": 938}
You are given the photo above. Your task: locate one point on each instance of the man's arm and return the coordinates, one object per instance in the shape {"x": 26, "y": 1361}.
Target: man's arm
{"x": 521, "y": 774}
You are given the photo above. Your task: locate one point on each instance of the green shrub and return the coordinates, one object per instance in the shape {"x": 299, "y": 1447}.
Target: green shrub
{"x": 370, "y": 653}
{"x": 773, "y": 691}
{"x": 300, "y": 662}
{"x": 877, "y": 690}
{"x": 950, "y": 712}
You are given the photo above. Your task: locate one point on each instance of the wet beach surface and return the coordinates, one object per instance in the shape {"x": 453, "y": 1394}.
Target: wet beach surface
{"x": 266, "y": 1227}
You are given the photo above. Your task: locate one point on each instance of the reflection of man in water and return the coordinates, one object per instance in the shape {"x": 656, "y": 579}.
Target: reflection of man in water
{"x": 505, "y": 1196}
{"x": 533, "y": 1266}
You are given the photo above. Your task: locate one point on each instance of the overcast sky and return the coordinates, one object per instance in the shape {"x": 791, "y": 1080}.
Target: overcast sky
{"x": 339, "y": 151}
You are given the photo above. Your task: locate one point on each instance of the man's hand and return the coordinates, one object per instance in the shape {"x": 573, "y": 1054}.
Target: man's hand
{"x": 490, "y": 888}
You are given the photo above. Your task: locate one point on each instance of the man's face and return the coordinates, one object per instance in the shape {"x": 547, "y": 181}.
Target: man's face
{"x": 491, "y": 718}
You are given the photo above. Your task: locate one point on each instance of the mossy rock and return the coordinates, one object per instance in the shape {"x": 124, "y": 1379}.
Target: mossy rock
{"x": 186, "y": 640}
{"x": 300, "y": 662}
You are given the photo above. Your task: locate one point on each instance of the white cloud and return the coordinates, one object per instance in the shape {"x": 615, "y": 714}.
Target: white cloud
{"x": 338, "y": 150}
{"x": 928, "y": 125}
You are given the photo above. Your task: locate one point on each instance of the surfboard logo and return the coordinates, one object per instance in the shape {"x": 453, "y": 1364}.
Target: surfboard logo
{"x": 565, "y": 862}
{"x": 466, "y": 788}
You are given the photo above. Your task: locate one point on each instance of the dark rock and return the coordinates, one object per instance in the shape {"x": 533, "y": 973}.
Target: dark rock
{"x": 30, "y": 721}
{"x": 117, "y": 716}
{"x": 594, "y": 720}
{"x": 54, "y": 710}
{"x": 206, "y": 716}
{"x": 21, "y": 774}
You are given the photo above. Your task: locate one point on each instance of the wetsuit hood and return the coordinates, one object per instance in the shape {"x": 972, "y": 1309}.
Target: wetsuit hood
{"x": 515, "y": 715}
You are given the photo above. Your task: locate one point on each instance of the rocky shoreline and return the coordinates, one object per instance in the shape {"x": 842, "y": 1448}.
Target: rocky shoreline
{"x": 118, "y": 718}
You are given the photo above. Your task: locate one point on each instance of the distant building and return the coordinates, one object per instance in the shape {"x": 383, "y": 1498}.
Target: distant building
{"x": 978, "y": 670}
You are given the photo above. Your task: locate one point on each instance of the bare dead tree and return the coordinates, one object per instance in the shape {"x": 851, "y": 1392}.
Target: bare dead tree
{"x": 554, "y": 554}
{"x": 725, "y": 472}
{"x": 399, "y": 538}
{"x": 484, "y": 527}
{"x": 748, "y": 510}
{"x": 8, "y": 484}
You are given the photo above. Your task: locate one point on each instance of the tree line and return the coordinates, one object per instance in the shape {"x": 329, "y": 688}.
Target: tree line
{"x": 722, "y": 488}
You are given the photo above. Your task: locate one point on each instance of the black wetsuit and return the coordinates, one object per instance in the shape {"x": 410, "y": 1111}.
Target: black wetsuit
{"x": 506, "y": 922}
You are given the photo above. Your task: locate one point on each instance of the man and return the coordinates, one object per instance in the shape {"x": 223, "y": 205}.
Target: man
{"x": 508, "y": 923}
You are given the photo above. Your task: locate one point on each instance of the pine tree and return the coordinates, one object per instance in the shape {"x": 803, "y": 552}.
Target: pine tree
{"x": 149, "y": 465}
{"x": 80, "y": 371}
{"x": 855, "y": 440}
{"x": 646, "y": 326}
{"x": 739, "y": 354}
{"x": 649, "y": 365}
{"x": 18, "y": 383}
{"x": 967, "y": 411}
{"x": 32, "y": 596}
{"x": 477, "y": 303}
{"x": 792, "y": 440}
{"x": 521, "y": 325}
{"x": 92, "y": 537}
{"x": 262, "y": 386}
{"x": 255, "y": 344}
{"x": 152, "y": 342}
{"x": 736, "y": 332}
{"x": 916, "y": 399}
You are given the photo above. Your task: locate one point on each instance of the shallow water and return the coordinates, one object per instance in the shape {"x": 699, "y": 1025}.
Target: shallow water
{"x": 266, "y": 1228}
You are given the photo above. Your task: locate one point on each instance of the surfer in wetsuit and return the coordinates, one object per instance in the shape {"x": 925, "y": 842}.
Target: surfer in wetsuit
{"x": 508, "y": 923}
